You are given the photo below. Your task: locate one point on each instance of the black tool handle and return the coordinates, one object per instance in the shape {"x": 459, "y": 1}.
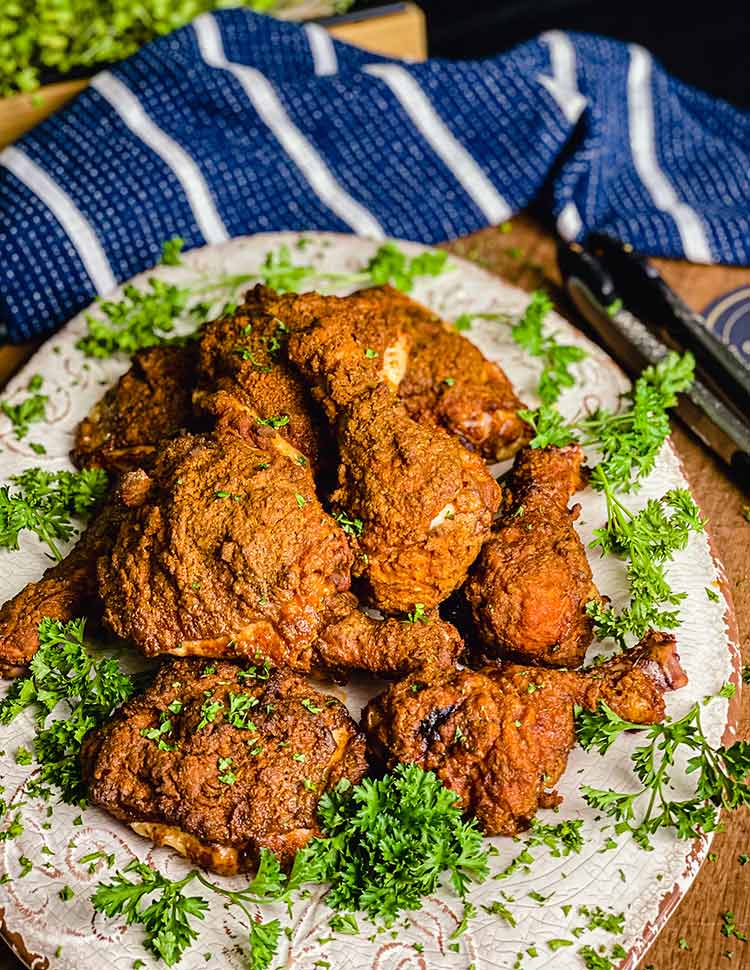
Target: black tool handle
{"x": 649, "y": 297}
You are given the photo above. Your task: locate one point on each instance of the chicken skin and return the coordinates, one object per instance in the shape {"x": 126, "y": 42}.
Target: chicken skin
{"x": 150, "y": 403}
{"x": 245, "y": 380}
{"x": 219, "y": 761}
{"x": 386, "y": 648}
{"x": 529, "y": 588}
{"x": 451, "y": 384}
{"x": 66, "y": 590}
{"x": 424, "y": 504}
{"x": 500, "y": 736}
{"x": 223, "y": 550}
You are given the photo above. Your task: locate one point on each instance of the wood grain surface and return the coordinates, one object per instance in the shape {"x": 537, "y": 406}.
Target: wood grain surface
{"x": 692, "y": 939}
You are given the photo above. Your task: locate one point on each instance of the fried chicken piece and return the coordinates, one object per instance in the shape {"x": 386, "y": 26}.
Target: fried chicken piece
{"x": 150, "y": 402}
{"x": 224, "y": 551}
{"x": 529, "y": 588}
{"x": 424, "y": 502}
{"x": 450, "y": 383}
{"x": 245, "y": 380}
{"x": 500, "y": 736}
{"x": 386, "y": 648}
{"x": 219, "y": 762}
{"x": 66, "y": 590}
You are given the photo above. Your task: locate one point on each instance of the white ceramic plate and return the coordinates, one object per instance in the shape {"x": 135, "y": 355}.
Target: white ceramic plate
{"x": 644, "y": 885}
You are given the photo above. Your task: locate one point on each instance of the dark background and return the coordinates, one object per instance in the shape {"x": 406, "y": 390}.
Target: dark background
{"x": 705, "y": 43}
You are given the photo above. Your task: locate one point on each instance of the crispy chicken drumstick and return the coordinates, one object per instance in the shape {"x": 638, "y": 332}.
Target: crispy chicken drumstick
{"x": 425, "y": 503}
{"x": 529, "y": 588}
{"x": 500, "y": 736}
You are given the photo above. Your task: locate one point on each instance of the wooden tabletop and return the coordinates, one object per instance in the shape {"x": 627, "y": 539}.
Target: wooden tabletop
{"x": 525, "y": 256}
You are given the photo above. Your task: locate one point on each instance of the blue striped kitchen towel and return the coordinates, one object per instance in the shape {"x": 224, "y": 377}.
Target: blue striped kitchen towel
{"x": 239, "y": 123}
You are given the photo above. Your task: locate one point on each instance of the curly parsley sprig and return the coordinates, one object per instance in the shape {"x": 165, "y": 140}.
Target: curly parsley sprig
{"x": 33, "y": 408}
{"x": 529, "y": 332}
{"x": 64, "y": 672}
{"x": 46, "y": 502}
{"x": 630, "y": 439}
{"x": 156, "y": 903}
{"x": 722, "y": 775}
{"x": 647, "y": 540}
{"x": 388, "y": 843}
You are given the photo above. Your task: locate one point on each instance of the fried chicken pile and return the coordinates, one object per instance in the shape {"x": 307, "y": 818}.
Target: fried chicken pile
{"x": 298, "y": 491}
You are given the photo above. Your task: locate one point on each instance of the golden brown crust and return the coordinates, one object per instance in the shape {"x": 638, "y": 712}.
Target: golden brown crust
{"x": 227, "y": 551}
{"x": 390, "y": 647}
{"x": 425, "y": 503}
{"x": 216, "y": 791}
{"x": 529, "y": 588}
{"x": 66, "y": 590}
{"x": 500, "y": 736}
{"x": 450, "y": 383}
{"x": 150, "y": 402}
{"x": 242, "y": 369}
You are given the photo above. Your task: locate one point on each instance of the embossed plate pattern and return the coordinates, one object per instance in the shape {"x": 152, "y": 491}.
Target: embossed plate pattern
{"x": 644, "y": 885}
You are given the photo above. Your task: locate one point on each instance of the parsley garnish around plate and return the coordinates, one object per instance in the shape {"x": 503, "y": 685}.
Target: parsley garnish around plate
{"x": 156, "y": 903}
{"x": 556, "y": 357}
{"x": 594, "y": 960}
{"x": 628, "y": 440}
{"x": 390, "y": 264}
{"x": 171, "y": 251}
{"x": 147, "y": 317}
{"x": 63, "y": 672}
{"x": 142, "y": 318}
{"x": 528, "y": 332}
{"x": 44, "y": 502}
{"x": 388, "y": 843}
{"x": 561, "y": 839}
{"x": 721, "y": 775}
{"x": 26, "y": 412}
{"x": 647, "y": 540}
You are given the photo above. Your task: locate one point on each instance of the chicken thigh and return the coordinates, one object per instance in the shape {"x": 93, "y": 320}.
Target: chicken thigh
{"x": 150, "y": 403}
{"x": 220, "y": 761}
{"x": 500, "y": 736}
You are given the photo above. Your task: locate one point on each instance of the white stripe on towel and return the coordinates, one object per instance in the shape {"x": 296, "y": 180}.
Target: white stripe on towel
{"x": 445, "y": 144}
{"x": 266, "y": 102}
{"x": 322, "y": 50}
{"x": 184, "y": 168}
{"x": 643, "y": 148}
{"x": 563, "y": 85}
{"x": 75, "y": 225}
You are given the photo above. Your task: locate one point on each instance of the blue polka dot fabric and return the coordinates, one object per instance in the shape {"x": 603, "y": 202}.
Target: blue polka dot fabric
{"x": 239, "y": 123}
